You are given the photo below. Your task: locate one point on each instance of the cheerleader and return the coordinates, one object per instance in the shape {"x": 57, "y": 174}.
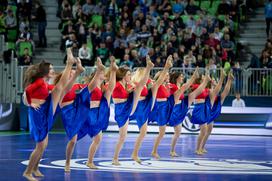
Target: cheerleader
{"x": 200, "y": 114}
{"x": 99, "y": 112}
{"x": 181, "y": 103}
{"x": 162, "y": 106}
{"x": 42, "y": 107}
{"x": 216, "y": 103}
{"x": 145, "y": 104}
{"x": 73, "y": 108}
{"x": 126, "y": 98}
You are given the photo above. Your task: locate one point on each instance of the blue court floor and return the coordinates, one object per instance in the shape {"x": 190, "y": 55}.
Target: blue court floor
{"x": 228, "y": 158}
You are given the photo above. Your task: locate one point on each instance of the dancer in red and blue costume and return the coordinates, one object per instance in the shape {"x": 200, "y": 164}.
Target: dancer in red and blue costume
{"x": 145, "y": 104}
{"x": 201, "y": 111}
{"x": 125, "y": 98}
{"x": 216, "y": 102}
{"x": 162, "y": 105}
{"x": 181, "y": 103}
{"x": 99, "y": 110}
{"x": 42, "y": 107}
{"x": 71, "y": 110}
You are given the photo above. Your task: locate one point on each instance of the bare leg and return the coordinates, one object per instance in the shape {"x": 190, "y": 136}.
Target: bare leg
{"x": 176, "y": 135}
{"x": 142, "y": 83}
{"x": 227, "y": 88}
{"x": 218, "y": 87}
{"x": 94, "y": 82}
{"x": 202, "y": 133}
{"x": 69, "y": 152}
{"x": 34, "y": 159}
{"x": 154, "y": 152}
{"x": 112, "y": 81}
{"x": 92, "y": 150}
{"x": 120, "y": 143}
{"x": 36, "y": 170}
{"x": 209, "y": 131}
{"x": 138, "y": 143}
{"x": 57, "y": 91}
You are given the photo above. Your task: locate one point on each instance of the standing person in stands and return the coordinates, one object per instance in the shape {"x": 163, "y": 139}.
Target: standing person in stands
{"x": 42, "y": 107}
{"x": 268, "y": 16}
{"x": 216, "y": 102}
{"x": 125, "y": 98}
{"x": 40, "y": 17}
{"x": 145, "y": 104}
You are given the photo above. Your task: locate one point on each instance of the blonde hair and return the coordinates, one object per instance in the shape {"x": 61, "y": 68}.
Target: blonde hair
{"x": 138, "y": 74}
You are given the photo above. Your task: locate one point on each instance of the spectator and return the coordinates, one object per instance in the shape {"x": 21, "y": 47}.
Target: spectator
{"x": 223, "y": 8}
{"x": 85, "y": 55}
{"x": 238, "y": 81}
{"x": 158, "y": 62}
{"x": 72, "y": 39}
{"x": 102, "y": 52}
{"x": 190, "y": 57}
{"x": 82, "y": 32}
{"x": 177, "y": 62}
{"x": 88, "y": 8}
{"x": 41, "y": 20}
{"x": 143, "y": 51}
{"x": 212, "y": 42}
{"x": 66, "y": 13}
{"x": 178, "y": 7}
{"x": 191, "y": 8}
{"x": 126, "y": 62}
{"x": 26, "y": 58}
{"x": 238, "y": 102}
{"x": 265, "y": 60}
{"x": 228, "y": 45}
{"x": 268, "y": 16}
{"x": 165, "y": 7}
{"x": 10, "y": 20}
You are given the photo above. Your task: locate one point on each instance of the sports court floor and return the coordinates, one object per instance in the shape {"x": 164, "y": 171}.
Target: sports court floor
{"x": 229, "y": 157}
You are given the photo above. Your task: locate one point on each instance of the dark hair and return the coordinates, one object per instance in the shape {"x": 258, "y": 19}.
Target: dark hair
{"x": 198, "y": 80}
{"x": 36, "y": 71}
{"x": 174, "y": 76}
{"x": 121, "y": 73}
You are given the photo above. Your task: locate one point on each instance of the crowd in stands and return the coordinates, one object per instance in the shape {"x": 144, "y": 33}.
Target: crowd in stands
{"x": 196, "y": 33}
{"x": 16, "y": 22}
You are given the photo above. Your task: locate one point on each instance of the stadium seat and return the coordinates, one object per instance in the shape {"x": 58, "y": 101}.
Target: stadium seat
{"x": 21, "y": 47}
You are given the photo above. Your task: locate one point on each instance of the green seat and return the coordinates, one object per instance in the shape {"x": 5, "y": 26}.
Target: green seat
{"x": 12, "y": 35}
{"x": 21, "y": 47}
{"x": 97, "y": 19}
{"x": 196, "y": 17}
{"x": 10, "y": 45}
{"x": 221, "y": 17}
{"x": 14, "y": 9}
{"x": 185, "y": 18}
{"x": 205, "y": 5}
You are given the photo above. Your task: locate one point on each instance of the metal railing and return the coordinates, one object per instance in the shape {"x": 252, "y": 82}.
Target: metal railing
{"x": 250, "y": 82}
